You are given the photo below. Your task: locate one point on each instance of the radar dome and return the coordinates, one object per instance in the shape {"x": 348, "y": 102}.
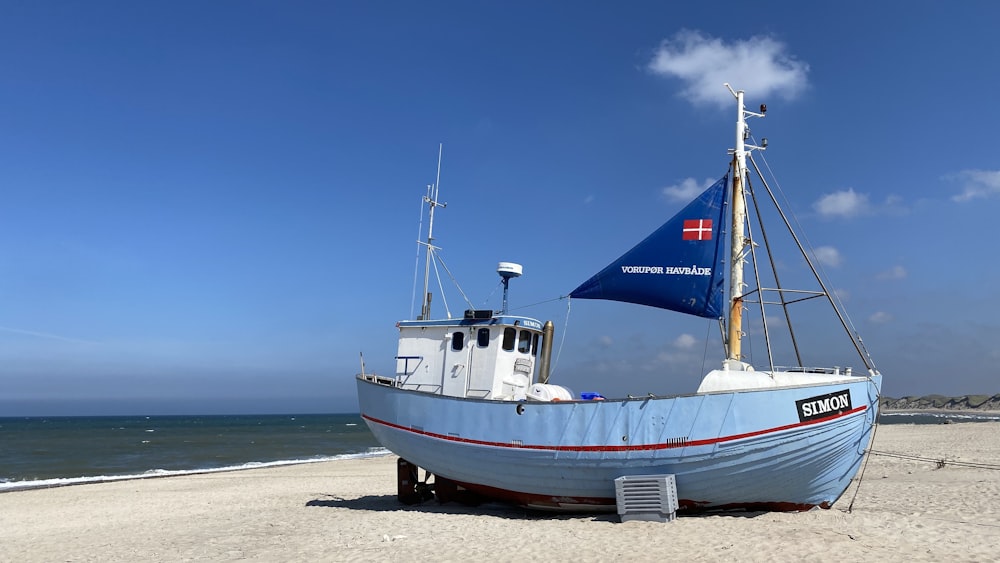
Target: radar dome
{"x": 509, "y": 270}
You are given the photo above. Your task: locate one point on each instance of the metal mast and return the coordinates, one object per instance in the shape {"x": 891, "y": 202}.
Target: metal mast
{"x": 739, "y": 239}
{"x": 432, "y": 203}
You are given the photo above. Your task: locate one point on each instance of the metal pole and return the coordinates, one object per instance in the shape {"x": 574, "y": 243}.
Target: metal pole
{"x": 738, "y": 240}
{"x": 431, "y": 198}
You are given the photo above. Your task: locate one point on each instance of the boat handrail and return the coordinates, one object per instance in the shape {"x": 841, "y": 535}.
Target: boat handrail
{"x": 378, "y": 379}
{"x": 836, "y": 370}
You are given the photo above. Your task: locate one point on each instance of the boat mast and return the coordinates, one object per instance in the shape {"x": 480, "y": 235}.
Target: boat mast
{"x": 739, "y": 239}
{"x": 432, "y": 202}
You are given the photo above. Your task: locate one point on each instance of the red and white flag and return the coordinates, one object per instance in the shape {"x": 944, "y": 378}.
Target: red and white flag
{"x": 697, "y": 229}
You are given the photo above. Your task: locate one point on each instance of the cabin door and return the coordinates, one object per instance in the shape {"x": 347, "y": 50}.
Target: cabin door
{"x": 482, "y": 359}
{"x": 456, "y": 363}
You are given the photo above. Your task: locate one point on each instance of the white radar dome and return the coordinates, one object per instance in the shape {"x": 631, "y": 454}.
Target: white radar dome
{"x": 509, "y": 270}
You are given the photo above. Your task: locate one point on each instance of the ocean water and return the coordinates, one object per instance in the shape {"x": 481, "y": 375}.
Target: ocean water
{"x": 52, "y": 451}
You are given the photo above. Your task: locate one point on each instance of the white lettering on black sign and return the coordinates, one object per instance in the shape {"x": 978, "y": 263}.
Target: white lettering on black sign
{"x": 824, "y": 405}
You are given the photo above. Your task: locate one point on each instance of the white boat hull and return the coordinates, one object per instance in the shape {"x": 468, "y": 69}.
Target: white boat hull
{"x": 746, "y": 449}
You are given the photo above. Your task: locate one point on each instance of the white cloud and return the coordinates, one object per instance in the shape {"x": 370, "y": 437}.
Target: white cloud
{"x": 678, "y": 354}
{"x": 977, "y": 183}
{"x": 893, "y": 273}
{"x": 686, "y": 190}
{"x": 759, "y": 65}
{"x": 588, "y": 200}
{"x": 880, "y": 317}
{"x": 685, "y": 342}
{"x": 828, "y": 256}
{"x": 845, "y": 203}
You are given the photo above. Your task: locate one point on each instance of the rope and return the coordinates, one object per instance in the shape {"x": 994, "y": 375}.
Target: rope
{"x": 938, "y": 462}
{"x": 941, "y": 462}
{"x": 868, "y": 457}
{"x": 861, "y": 476}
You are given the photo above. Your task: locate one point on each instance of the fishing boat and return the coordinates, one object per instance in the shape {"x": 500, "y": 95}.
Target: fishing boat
{"x": 471, "y": 402}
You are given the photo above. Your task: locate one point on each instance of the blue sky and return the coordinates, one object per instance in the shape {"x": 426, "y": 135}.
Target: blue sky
{"x": 212, "y": 207}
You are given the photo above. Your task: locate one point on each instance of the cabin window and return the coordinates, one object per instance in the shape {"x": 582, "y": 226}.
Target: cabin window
{"x": 509, "y": 335}
{"x": 534, "y": 345}
{"x": 524, "y": 343}
{"x": 457, "y": 341}
{"x": 483, "y": 337}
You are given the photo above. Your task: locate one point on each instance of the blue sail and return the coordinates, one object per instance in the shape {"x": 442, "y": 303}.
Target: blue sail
{"x": 678, "y": 267}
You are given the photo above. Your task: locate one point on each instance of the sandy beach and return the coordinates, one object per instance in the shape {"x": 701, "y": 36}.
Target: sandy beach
{"x": 905, "y": 509}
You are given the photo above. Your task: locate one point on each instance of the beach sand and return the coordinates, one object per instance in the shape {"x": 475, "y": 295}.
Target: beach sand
{"x": 905, "y": 509}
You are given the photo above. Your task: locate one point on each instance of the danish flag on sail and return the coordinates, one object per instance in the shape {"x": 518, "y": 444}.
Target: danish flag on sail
{"x": 697, "y": 229}
{"x": 683, "y": 275}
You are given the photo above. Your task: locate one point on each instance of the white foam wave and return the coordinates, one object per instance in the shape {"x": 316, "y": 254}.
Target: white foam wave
{"x": 937, "y": 414}
{"x": 6, "y": 486}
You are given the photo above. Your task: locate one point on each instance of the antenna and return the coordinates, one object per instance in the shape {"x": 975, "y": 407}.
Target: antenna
{"x": 432, "y": 201}
{"x": 508, "y": 270}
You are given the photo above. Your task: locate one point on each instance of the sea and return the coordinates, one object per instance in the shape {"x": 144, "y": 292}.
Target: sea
{"x": 54, "y": 451}
{"x": 38, "y": 452}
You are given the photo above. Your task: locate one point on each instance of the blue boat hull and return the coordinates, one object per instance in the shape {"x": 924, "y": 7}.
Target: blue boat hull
{"x": 749, "y": 449}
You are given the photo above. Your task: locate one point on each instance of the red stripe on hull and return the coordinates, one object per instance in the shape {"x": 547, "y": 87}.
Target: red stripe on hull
{"x": 616, "y": 448}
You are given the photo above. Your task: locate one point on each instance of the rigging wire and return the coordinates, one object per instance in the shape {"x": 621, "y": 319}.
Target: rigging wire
{"x": 493, "y": 292}
{"x": 747, "y": 337}
{"x": 437, "y": 274}
{"x": 832, "y": 295}
{"x": 562, "y": 340}
{"x": 808, "y": 254}
{"x": 777, "y": 282}
{"x": 756, "y": 276}
{"x": 416, "y": 264}
{"x": 453, "y": 280}
{"x": 704, "y": 355}
{"x": 561, "y": 297}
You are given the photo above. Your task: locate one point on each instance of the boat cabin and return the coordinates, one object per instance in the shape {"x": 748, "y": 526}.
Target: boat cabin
{"x": 481, "y": 356}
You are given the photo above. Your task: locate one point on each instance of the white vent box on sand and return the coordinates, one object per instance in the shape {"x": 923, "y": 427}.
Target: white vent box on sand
{"x": 650, "y": 498}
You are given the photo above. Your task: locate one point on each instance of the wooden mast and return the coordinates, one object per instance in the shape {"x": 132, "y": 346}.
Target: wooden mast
{"x": 738, "y": 240}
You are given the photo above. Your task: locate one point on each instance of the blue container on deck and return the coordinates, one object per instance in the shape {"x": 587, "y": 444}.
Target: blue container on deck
{"x": 589, "y": 396}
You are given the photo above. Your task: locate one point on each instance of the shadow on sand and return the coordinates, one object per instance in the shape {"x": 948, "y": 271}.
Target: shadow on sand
{"x": 389, "y": 503}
